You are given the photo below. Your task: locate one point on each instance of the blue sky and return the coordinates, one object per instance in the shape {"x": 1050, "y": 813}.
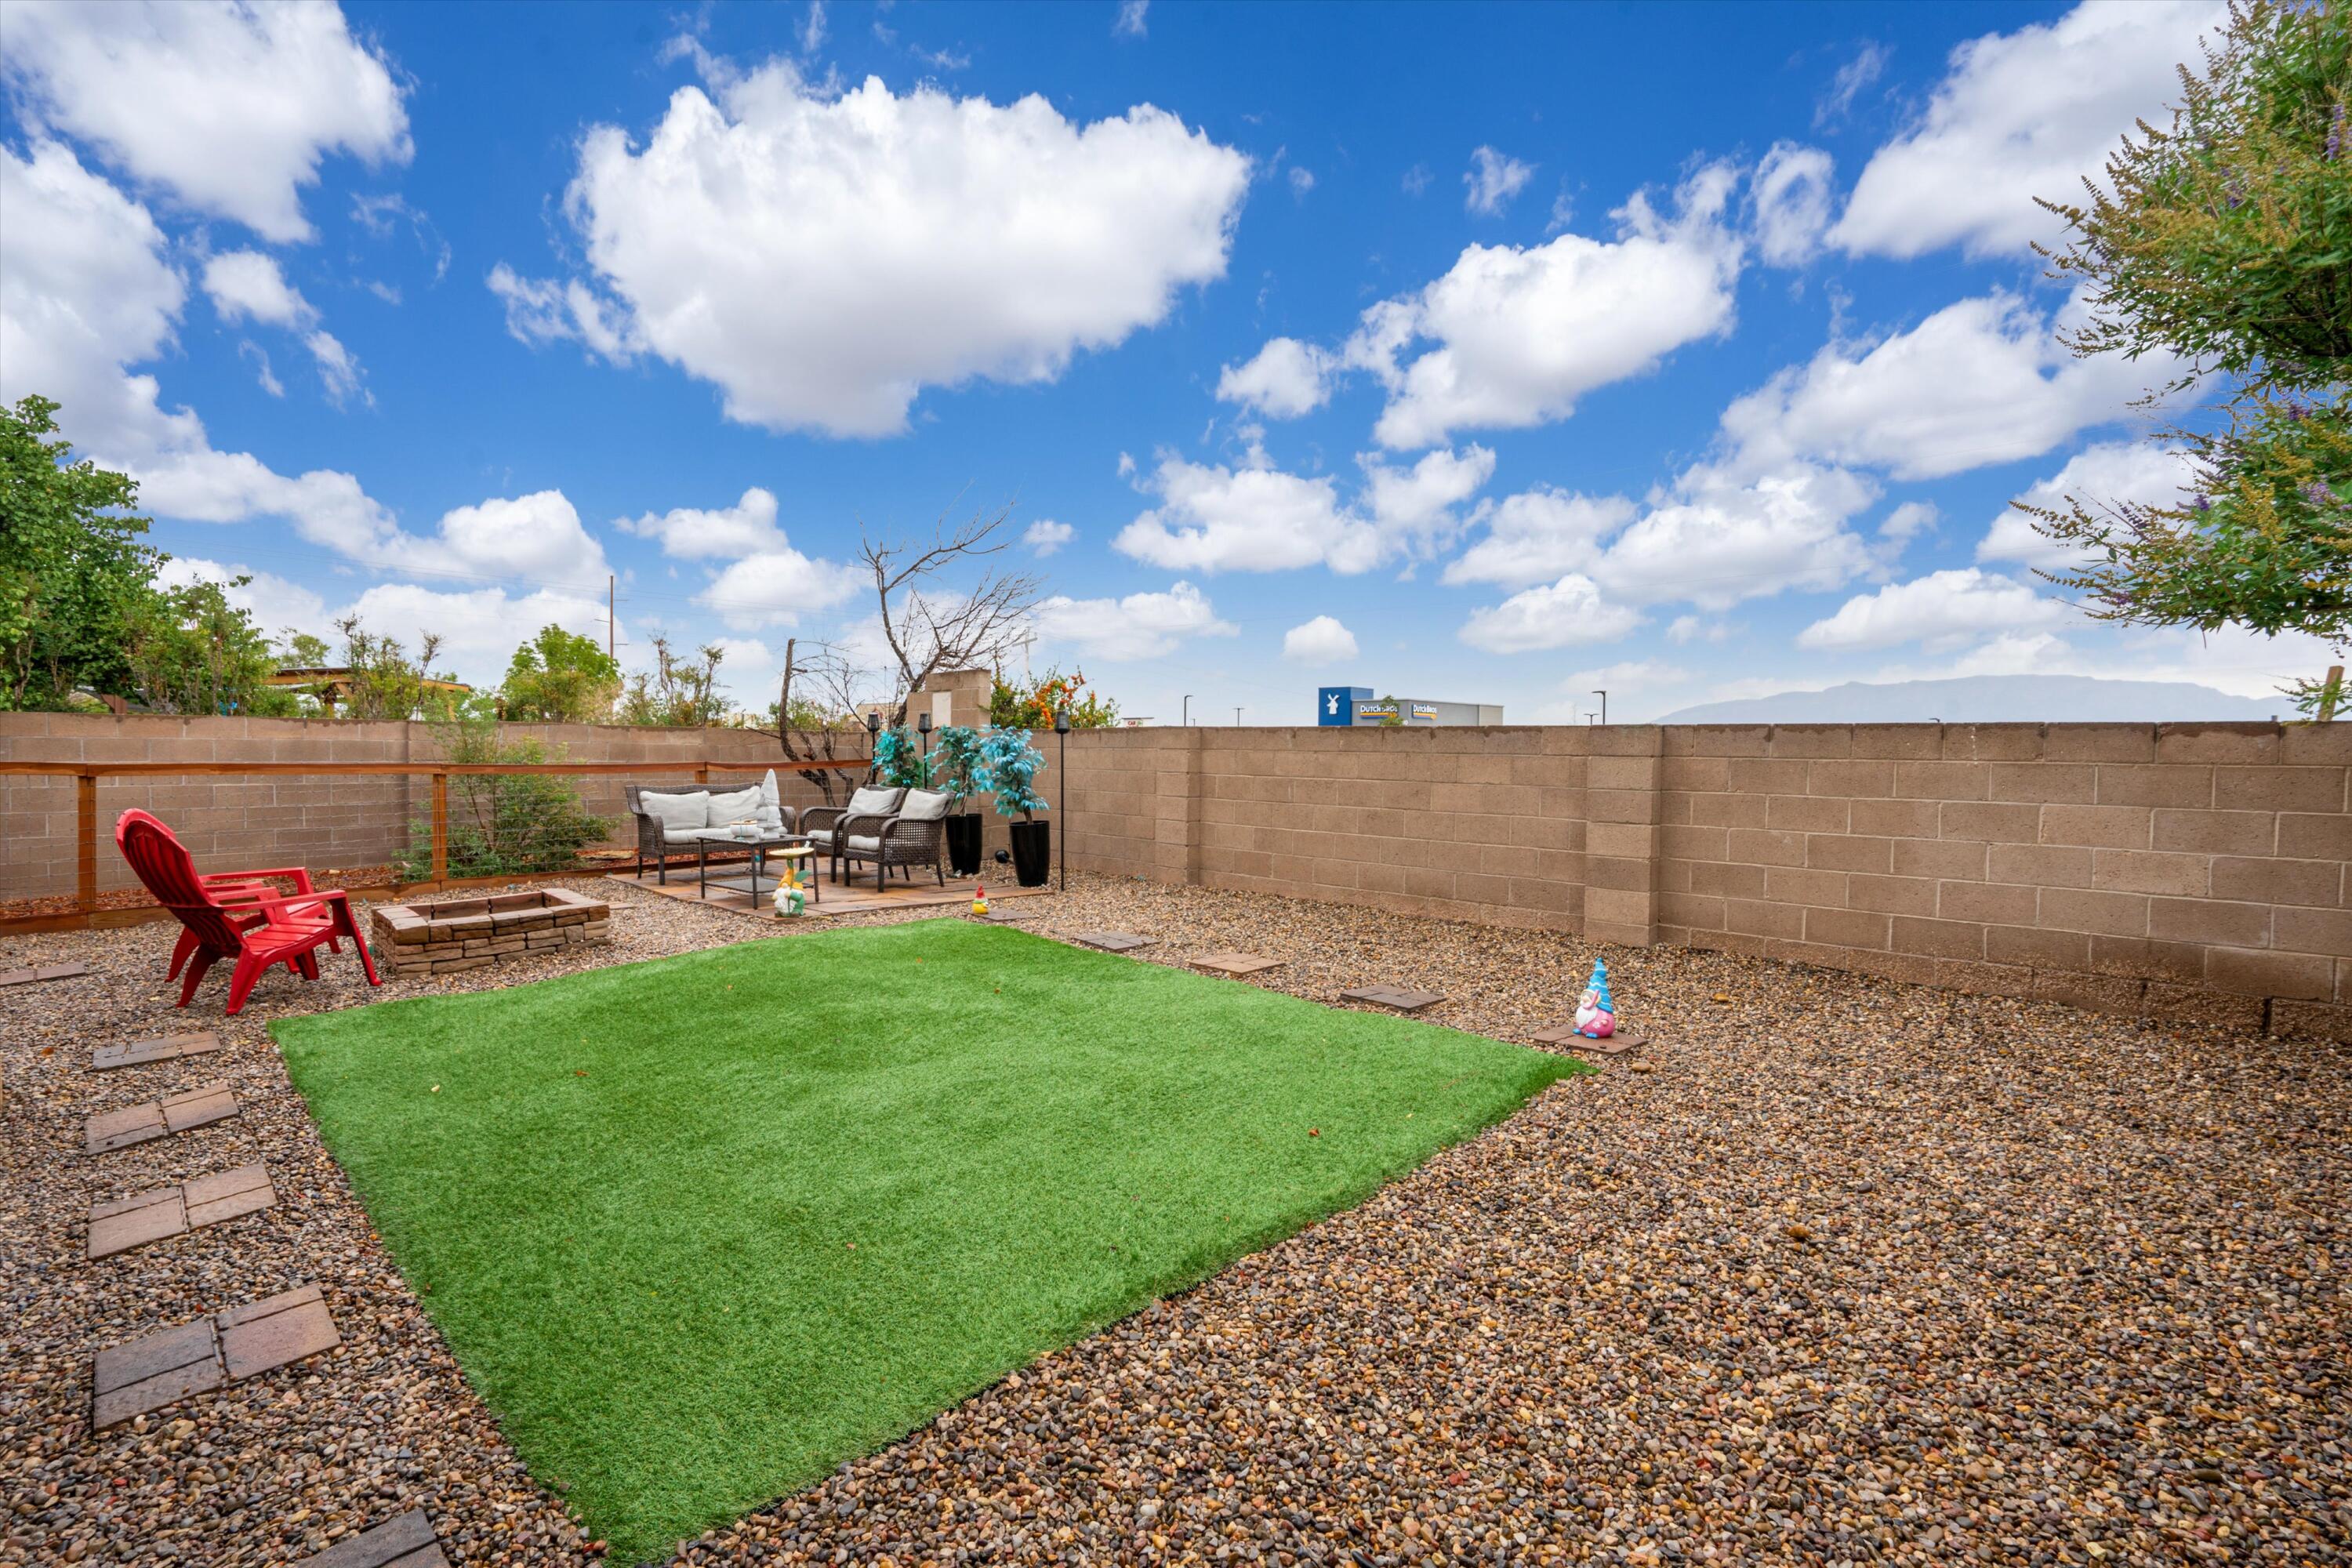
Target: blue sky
{"x": 1480, "y": 353}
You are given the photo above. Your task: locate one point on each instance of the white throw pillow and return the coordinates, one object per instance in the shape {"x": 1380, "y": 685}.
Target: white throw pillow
{"x": 924, "y": 806}
{"x": 678, "y": 813}
{"x": 873, "y": 802}
{"x": 771, "y": 803}
{"x": 734, "y": 807}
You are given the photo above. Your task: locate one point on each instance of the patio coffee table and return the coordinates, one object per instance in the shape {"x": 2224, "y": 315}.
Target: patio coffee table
{"x": 758, "y": 881}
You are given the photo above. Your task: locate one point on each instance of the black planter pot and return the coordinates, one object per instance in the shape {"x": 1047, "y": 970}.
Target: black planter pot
{"x": 1032, "y": 852}
{"x": 964, "y": 844}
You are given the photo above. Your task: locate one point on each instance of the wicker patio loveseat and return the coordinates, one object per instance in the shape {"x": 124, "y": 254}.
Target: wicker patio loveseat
{"x": 669, "y": 816}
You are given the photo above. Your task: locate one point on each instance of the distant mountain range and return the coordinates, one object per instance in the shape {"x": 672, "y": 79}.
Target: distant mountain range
{"x": 1990, "y": 700}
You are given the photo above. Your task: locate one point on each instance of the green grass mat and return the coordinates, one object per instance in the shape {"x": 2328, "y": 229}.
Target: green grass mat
{"x": 701, "y": 1229}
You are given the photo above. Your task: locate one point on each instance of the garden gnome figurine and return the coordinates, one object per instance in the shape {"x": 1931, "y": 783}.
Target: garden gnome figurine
{"x": 794, "y": 898}
{"x": 1596, "y": 1015}
{"x": 978, "y": 899}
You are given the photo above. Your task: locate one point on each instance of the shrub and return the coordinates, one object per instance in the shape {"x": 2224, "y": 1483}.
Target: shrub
{"x": 500, "y": 823}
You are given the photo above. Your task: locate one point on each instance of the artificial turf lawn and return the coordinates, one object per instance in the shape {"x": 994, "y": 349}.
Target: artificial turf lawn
{"x": 701, "y": 1229}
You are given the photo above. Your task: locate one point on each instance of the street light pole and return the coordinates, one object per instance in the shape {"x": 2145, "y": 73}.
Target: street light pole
{"x": 1604, "y": 705}
{"x": 1237, "y": 718}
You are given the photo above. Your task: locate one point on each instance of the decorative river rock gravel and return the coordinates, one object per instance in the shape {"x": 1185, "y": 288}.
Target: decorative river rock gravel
{"x": 1833, "y": 1271}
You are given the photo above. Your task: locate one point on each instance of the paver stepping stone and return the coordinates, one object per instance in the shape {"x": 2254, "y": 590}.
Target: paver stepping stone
{"x": 273, "y": 1333}
{"x": 1110, "y": 940}
{"x": 45, "y": 972}
{"x": 1614, "y": 1045}
{"x": 139, "y": 1053}
{"x": 167, "y": 1211}
{"x": 404, "y": 1542}
{"x": 143, "y": 1375}
{"x": 138, "y": 1124}
{"x": 1394, "y": 996}
{"x": 1236, "y": 963}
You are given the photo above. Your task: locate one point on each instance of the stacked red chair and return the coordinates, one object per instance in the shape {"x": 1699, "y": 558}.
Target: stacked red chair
{"x": 242, "y": 915}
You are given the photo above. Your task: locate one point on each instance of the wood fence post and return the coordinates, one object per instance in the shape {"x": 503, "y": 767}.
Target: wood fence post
{"x": 702, "y": 772}
{"x": 86, "y": 842}
{"x": 440, "y": 828}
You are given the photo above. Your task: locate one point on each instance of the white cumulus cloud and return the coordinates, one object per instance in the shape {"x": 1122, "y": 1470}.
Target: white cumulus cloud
{"x": 1140, "y": 625}
{"x": 1982, "y": 381}
{"x": 1716, "y": 537}
{"x": 1212, "y": 518}
{"x": 1520, "y": 334}
{"x": 230, "y": 107}
{"x": 249, "y": 286}
{"x": 2021, "y": 115}
{"x": 1569, "y": 613}
{"x": 823, "y": 258}
{"x": 1283, "y": 379}
{"x": 1791, "y": 193}
{"x": 747, "y": 528}
{"x": 1539, "y": 535}
{"x": 1942, "y": 610}
{"x": 1493, "y": 178}
{"x": 1045, "y": 536}
{"x": 1322, "y": 640}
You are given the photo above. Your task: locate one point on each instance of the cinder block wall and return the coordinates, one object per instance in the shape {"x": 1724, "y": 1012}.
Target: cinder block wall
{"x": 2191, "y": 869}
{"x": 2170, "y": 870}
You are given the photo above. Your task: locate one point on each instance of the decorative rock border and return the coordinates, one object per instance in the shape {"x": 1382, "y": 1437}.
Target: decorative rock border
{"x": 454, "y": 934}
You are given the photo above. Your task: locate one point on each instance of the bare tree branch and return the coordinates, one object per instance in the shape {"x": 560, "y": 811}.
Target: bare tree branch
{"x": 929, "y": 628}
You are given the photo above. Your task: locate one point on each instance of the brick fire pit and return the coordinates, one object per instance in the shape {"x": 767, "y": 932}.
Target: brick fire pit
{"x": 466, "y": 933}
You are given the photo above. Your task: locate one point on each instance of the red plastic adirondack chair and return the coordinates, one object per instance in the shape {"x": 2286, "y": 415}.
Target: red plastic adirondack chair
{"x": 236, "y": 914}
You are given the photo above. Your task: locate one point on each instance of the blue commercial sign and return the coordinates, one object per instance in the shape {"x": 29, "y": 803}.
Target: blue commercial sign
{"x": 1337, "y": 704}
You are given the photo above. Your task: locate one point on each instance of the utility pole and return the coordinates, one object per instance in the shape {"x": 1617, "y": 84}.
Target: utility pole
{"x": 1187, "y": 720}
{"x": 612, "y": 609}
{"x": 1237, "y": 718}
{"x": 1604, "y": 705}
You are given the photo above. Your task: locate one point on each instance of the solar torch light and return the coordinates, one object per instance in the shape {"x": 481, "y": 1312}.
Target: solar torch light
{"x": 1062, "y": 731}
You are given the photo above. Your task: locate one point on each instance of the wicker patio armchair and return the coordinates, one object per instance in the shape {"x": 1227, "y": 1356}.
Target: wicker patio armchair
{"x": 916, "y": 835}
{"x": 652, "y": 844}
{"x": 826, "y": 825}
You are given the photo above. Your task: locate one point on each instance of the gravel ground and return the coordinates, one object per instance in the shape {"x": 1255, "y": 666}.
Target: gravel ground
{"x": 1836, "y": 1270}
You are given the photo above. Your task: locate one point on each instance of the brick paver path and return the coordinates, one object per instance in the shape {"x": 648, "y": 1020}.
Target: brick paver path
{"x": 47, "y": 971}
{"x": 404, "y": 1542}
{"x": 1394, "y": 996}
{"x": 1110, "y": 940}
{"x": 1237, "y": 964}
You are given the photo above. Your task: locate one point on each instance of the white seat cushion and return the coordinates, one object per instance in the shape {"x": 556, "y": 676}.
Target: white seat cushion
{"x": 734, "y": 807}
{"x": 823, "y": 835}
{"x": 865, "y": 844}
{"x": 678, "y": 813}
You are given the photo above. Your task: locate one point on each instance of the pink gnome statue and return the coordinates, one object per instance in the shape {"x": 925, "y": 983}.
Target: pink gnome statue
{"x": 1596, "y": 1015}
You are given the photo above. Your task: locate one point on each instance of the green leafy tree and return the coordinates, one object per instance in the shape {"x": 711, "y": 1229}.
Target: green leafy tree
{"x": 73, "y": 574}
{"x": 2227, "y": 242}
{"x": 502, "y": 823}
{"x": 1011, "y": 765}
{"x": 562, "y": 677}
{"x": 191, "y": 651}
